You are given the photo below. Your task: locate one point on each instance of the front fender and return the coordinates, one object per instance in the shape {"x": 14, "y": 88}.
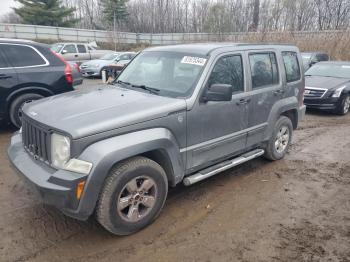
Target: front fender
{"x": 106, "y": 153}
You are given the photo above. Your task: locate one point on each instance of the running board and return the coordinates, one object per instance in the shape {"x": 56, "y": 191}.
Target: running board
{"x": 213, "y": 170}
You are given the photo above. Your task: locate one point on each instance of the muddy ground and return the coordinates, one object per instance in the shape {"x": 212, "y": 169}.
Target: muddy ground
{"x": 296, "y": 209}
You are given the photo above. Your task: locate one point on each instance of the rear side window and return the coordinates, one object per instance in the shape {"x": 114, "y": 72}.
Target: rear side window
{"x": 3, "y": 63}
{"x": 70, "y": 49}
{"x": 264, "y": 71}
{"x": 291, "y": 65}
{"x": 20, "y": 56}
{"x": 81, "y": 48}
{"x": 228, "y": 70}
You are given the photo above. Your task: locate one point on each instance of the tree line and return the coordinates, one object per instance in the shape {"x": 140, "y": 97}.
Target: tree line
{"x": 186, "y": 16}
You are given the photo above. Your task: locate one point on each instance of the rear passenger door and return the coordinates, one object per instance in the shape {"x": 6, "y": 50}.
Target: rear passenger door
{"x": 83, "y": 54}
{"x": 30, "y": 65}
{"x": 265, "y": 89}
{"x": 8, "y": 80}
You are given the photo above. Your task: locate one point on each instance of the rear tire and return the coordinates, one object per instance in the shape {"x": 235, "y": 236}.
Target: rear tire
{"x": 344, "y": 105}
{"x": 15, "y": 112}
{"x": 133, "y": 196}
{"x": 280, "y": 140}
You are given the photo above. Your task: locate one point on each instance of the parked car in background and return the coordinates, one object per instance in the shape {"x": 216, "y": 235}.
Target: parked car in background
{"x": 327, "y": 87}
{"x": 30, "y": 71}
{"x": 311, "y": 58}
{"x": 175, "y": 114}
{"x": 95, "y": 67}
{"x": 117, "y": 66}
{"x": 78, "y": 52}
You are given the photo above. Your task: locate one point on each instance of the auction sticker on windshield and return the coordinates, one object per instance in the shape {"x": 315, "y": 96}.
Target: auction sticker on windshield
{"x": 193, "y": 60}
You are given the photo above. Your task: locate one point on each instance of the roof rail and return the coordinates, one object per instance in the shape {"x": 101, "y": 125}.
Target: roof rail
{"x": 16, "y": 40}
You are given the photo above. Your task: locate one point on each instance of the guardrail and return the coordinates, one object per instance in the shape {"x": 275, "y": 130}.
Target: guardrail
{"x": 35, "y": 32}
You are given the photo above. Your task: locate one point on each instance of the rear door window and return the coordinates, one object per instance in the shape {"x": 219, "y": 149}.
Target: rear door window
{"x": 291, "y": 65}
{"x": 3, "y": 63}
{"x": 263, "y": 68}
{"x": 22, "y": 55}
{"x": 228, "y": 70}
{"x": 81, "y": 48}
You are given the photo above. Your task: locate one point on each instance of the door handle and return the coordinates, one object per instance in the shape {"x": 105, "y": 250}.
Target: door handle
{"x": 3, "y": 76}
{"x": 75, "y": 55}
{"x": 279, "y": 92}
{"x": 243, "y": 101}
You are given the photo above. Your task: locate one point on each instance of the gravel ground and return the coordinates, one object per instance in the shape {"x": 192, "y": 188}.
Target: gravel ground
{"x": 296, "y": 209}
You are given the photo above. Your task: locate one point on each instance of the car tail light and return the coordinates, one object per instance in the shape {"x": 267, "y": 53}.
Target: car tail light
{"x": 68, "y": 73}
{"x": 77, "y": 67}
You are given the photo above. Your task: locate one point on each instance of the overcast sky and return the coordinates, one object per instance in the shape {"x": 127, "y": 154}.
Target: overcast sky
{"x": 6, "y": 6}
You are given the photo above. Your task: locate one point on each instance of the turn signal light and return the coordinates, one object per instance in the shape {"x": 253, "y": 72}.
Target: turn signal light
{"x": 80, "y": 189}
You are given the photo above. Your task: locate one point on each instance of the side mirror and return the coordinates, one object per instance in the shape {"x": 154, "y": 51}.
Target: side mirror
{"x": 218, "y": 92}
{"x": 64, "y": 52}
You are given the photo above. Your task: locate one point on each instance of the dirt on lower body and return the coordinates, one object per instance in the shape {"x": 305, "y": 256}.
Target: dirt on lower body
{"x": 295, "y": 209}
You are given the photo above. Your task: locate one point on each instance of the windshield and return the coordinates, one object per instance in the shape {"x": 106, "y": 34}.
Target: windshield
{"x": 56, "y": 47}
{"x": 110, "y": 56}
{"x": 331, "y": 70}
{"x": 172, "y": 74}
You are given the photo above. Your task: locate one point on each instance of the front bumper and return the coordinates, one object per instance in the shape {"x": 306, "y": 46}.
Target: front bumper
{"x": 328, "y": 103}
{"x": 55, "y": 187}
{"x": 90, "y": 71}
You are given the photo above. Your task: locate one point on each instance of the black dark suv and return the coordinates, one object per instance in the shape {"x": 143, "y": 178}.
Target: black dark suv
{"x": 29, "y": 71}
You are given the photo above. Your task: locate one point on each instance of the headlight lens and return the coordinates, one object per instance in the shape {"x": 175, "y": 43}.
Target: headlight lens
{"x": 60, "y": 150}
{"x": 338, "y": 91}
{"x": 60, "y": 156}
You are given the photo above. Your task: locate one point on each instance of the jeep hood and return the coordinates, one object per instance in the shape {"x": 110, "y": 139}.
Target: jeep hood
{"x": 86, "y": 112}
{"x": 325, "y": 82}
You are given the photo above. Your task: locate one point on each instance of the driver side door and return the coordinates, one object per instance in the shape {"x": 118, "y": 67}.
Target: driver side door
{"x": 217, "y": 129}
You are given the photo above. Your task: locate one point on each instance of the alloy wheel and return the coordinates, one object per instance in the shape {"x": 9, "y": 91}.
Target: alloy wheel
{"x": 282, "y": 139}
{"x": 137, "y": 198}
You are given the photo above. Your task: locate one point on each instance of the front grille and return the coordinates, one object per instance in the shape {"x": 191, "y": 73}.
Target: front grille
{"x": 35, "y": 140}
{"x": 312, "y": 92}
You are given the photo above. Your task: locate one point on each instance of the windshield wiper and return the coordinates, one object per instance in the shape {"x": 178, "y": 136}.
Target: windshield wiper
{"x": 150, "y": 89}
{"x": 122, "y": 82}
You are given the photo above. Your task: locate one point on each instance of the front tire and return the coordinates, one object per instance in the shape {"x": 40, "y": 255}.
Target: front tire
{"x": 280, "y": 140}
{"x": 133, "y": 196}
{"x": 344, "y": 105}
{"x": 15, "y": 112}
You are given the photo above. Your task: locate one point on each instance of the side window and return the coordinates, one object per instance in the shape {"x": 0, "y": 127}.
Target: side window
{"x": 228, "y": 70}
{"x": 81, "y": 48}
{"x": 124, "y": 57}
{"x": 322, "y": 57}
{"x": 20, "y": 55}
{"x": 291, "y": 65}
{"x": 263, "y": 67}
{"x": 3, "y": 63}
{"x": 69, "y": 49}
